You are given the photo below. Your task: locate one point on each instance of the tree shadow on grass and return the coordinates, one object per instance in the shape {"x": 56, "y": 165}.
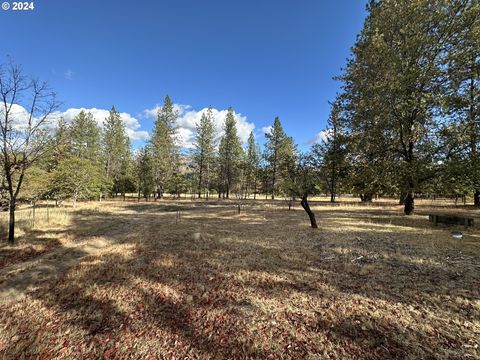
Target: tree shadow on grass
{"x": 379, "y": 218}
{"x": 195, "y": 295}
{"x": 29, "y": 246}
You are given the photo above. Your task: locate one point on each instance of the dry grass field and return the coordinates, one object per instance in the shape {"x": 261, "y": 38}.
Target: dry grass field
{"x": 128, "y": 280}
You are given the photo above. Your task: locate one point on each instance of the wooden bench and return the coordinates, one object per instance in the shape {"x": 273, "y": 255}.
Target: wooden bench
{"x": 450, "y": 219}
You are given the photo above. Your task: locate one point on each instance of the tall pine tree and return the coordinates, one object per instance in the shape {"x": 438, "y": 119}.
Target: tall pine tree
{"x": 144, "y": 173}
{"x": 116, "y": 152}
{"x": 163, "y": 146}
{"x": 204, "y": 152}
{"x": 330, "y": 154}
{"x": 253, "y": 166}
{"x": 277, "y": 149}
{"x": 230, "y": 151}
{"x": 85, "y": 142}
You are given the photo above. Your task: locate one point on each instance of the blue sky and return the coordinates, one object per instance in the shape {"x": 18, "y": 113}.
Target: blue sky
{"x": 265, "y": 58}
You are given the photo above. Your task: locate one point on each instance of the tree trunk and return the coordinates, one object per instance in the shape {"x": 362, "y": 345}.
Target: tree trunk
{"x": 159, "y": 194}
{"x": 311, "y": 215}
{"x": 402, "y": 198}
{"x": 366, "y": 197}
{"x": 409, "y": 204}
{"x": 33, "y": 214}
{"x": 333, "y": 185}
{"x": 274, "y": 174}
{"x": 11, "y": 224}
{"x": 473, "y": 122}
{"x": 200, "y": 175}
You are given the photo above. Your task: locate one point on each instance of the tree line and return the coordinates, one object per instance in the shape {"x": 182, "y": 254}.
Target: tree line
{"x": 405, "y": 123}
{"x": 216, "y": 166}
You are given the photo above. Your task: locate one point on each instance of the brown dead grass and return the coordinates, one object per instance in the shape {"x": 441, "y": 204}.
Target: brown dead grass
{"x": 35, "y": 236}
{"x": 369, "y": 284}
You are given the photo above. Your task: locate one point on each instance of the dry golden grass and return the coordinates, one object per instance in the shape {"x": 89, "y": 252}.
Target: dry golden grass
{"x": 369, "y": 284}
{"x": 35, "y": 235}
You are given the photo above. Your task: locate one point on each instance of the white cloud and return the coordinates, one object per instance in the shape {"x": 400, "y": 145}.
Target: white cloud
{"x": 131, "y": 124}
{"x": 185, "y": 137}
{"x": 68, "y": 74}
{"x": 320, "y": 137}
{"x": 188, "y": 118}
{"x": 137, "y": 134}
{"x": 19, "y": 117}
{"x": 186, "y": 122}
{"x": 266, "y": 130}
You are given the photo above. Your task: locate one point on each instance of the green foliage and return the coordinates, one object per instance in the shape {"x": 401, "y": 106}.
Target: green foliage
{"x": 252, "y": 168}
{"x": 461, "y": 96}
{"x": 301, "y": 176}
{"x": 145, "y": 178}
{"x": 279, "y": 149}
{"x": 178, "y": 184}
{"x": 230, "y": 153}
{"x": 330, "y": 154}
{"x": 76, "y": 178}
{"x": 84, "y": 137}
{"x": 394, "y": 86}
{"x": 163, "y": 147}
{"x": 203, "y": 154}
{"x": 36, "y": 184}
{"x": 60, "y": 146}
{"x": 117, "y": 153}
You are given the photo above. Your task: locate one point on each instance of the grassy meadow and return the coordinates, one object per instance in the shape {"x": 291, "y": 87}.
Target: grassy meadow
{"x": 195, "y": 279}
